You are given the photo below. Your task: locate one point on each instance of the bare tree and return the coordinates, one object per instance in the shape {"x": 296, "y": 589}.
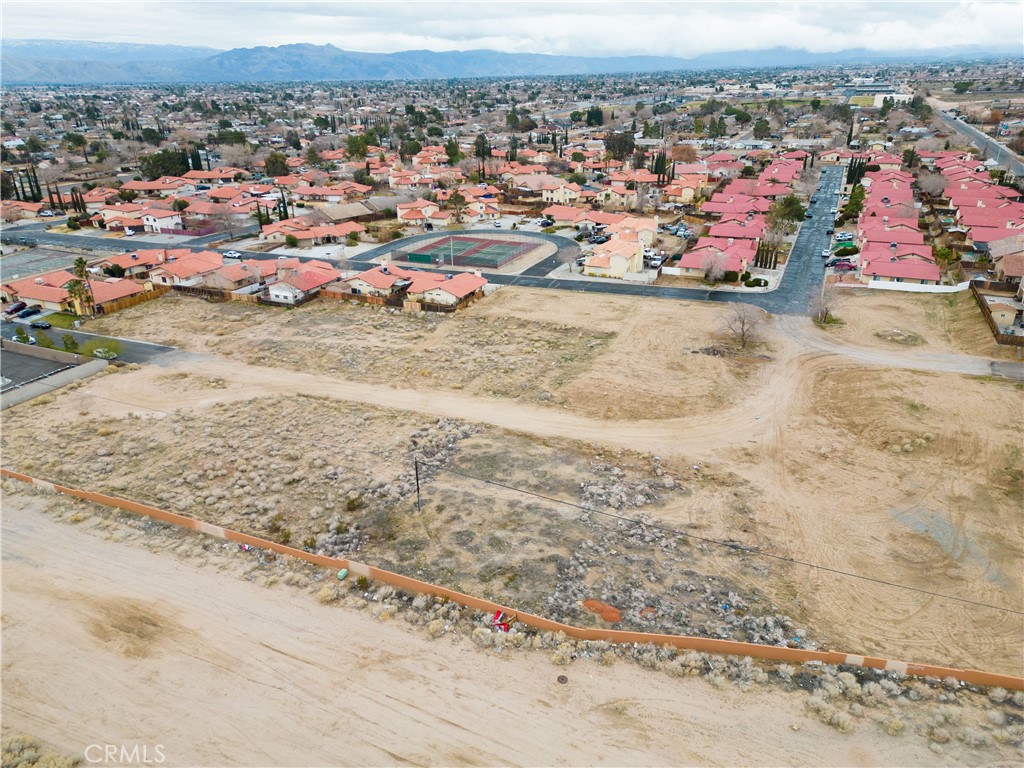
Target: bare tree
{"x": 713, "y": 265}
{"x": 932, "y": 184}
{"x": 742, "y": 321}
{"x": 824, "y": 307}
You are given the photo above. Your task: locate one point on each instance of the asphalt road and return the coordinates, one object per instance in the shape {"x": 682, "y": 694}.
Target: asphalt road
{"x": 993, "y": 148}
{"x": 132, "y": 351}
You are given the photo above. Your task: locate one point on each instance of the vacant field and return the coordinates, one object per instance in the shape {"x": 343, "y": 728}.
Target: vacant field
{"x": 305, "y": 424}
{"x": 93, "y": 642}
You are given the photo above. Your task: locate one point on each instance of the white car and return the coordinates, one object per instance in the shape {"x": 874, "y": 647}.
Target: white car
{"x": 497, "y": 224}
{"x": 825, "y": 253}
{"x": 233, "y": 254}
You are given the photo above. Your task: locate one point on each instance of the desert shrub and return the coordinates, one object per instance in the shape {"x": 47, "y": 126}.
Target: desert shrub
{"x": 891, "y": 725}
{"x": 285, "y": 536}
{"x": 362, "y": 583}
{"x": 309, "y": 542}
{"x": 353, "y": 503}
{"x": 325, "y": 595}
{"x": 276, "y": 523}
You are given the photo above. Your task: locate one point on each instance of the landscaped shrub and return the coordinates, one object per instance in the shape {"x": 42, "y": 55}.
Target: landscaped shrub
{"x": 848, "y": 250}
{"x": 745, "y": 276}
{"x": 731, "y": 276}
{"x": 755, "y": 282}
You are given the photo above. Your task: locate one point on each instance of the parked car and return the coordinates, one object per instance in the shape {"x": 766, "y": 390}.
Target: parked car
{"x": 814, "y": 199}
{"x": 104, "y": 354}
{"x": 830, "y": 230}
{"x": 547, "y": 223}
{"x": 15, "y": 308}
{"x": 834, "y": 210}
{"x": 232, "y": 254}
{"x": 598, "y": 239}
{"x": 580, "y": 260}
{"x": 497, "y": 224}
{"x": 844, "y": 237}
{"x": 808, "y": 215}
{"x": 428, "y": 226}
{"x": 29, "y": 312}
{"x": 47, "y": 214}
{"x": 839, "y": 260}
{"x": 826, "y": 252}
{"x": 40, "y": 324}
{"x": 844, "y": 266}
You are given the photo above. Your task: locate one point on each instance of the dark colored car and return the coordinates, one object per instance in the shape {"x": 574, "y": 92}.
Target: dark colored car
{"x": 15, "y": 308}
{"x": 29, "y": 312}
{"x": 840, "y": 260}
{"x": 40, "y": 324}
{"x": 830, "y": 230}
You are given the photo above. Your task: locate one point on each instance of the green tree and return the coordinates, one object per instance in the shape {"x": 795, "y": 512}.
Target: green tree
{"x": 179, "y": 205}
{"x": 762, "y": 129}
{"x": 962, "y": 86}
{"x": 44, "y": 341}
{"x": 79, "y": 290}
{"x": 114, "y": 270}
{"x": 152, "y": 136}
{"x": 698, "y": 125}
{"x": 595, "y": 116}
{"x": 457, "y": 203}
{"x": 70, "y": 344}
{"x": 312, "y": 156}
{"x": 451, "y": 148}
{"x": 291, "y": 241}
{"x": 788, "y": 209}
{"x": 166, "y": 162}
{"x": 77, "y": 143}
{"x": 276, "y": 164}
{"x": 20, "y": 335}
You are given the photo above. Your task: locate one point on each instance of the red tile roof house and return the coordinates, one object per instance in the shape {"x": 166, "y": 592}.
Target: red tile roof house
{"x": 188, "y": 269}
{"x": 50, "y": 291}
{"x": 1007, "y": 255}
{"x": 138, "y": 264}
{"x": 450, "y": 290}
{"x": 155, "y": 220}
{"x": 731, "y": 256}
{"x": 166, "y": 185}
{"x": 222, "y": 174}
{"x": 233, "y": 277}
{"x": 293, "y": 286}
{"x": 895, "y": 270}
{"x": 307, "y": 233}
{"x": 384, "y": 281}
{"x": 20, "y": 209}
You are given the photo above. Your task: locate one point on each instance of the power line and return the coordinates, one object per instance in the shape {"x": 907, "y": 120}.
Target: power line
{"x": 729, "y": 545}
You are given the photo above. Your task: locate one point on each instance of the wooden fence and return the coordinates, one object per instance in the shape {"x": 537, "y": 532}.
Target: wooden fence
{"x": 405, "y": 583}
{"x": 1008, "y": 339}
{"x": 130, "y": 301}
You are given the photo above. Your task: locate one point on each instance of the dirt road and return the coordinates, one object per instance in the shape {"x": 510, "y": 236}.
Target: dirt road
{"x": 107, "y": 643}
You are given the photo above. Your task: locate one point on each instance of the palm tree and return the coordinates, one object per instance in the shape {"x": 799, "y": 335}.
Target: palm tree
{"x": 79, "y": 290}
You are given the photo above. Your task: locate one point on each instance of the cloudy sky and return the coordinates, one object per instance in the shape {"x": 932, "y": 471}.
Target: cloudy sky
{"x": 597, "y": 27}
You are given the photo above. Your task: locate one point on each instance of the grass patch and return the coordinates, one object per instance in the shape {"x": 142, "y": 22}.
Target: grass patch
{"x": 61, "y": 320}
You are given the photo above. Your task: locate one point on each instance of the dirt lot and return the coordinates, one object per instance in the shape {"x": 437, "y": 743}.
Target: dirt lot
{"x": 543, "y": 418}
{"x": 204, "y": 655}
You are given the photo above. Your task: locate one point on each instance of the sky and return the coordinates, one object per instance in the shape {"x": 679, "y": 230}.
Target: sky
{"x": 595, "y": 28}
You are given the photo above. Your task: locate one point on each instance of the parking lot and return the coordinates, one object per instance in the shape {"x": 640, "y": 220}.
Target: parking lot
{"x": 19, "y": 368}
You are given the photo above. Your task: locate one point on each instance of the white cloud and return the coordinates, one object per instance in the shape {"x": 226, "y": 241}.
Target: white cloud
{"x": 587, "y": 29}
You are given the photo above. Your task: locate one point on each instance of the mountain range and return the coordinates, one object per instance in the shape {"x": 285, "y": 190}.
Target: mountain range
{"x": 51, "y": 62}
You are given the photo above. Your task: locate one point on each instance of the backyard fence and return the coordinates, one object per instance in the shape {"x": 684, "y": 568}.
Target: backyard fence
{"x": 1008, "y": 339}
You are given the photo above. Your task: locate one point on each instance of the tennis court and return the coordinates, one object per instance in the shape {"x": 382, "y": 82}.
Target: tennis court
{"x": 466, "y": 251}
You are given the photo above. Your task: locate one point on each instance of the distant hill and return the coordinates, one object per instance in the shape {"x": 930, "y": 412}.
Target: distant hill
{"x": 48, "y": 62}
{"x": 84, "y": 50}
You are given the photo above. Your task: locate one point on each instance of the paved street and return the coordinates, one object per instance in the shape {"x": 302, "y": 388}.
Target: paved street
{"x": 994, "y": 149}
{"x": 132, "y": 351}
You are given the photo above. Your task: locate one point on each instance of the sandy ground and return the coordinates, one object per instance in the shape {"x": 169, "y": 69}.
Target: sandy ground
{"x": 809, "y": 447}
{"x": 885, "y": 454}
{"x": 118, "y": 645}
